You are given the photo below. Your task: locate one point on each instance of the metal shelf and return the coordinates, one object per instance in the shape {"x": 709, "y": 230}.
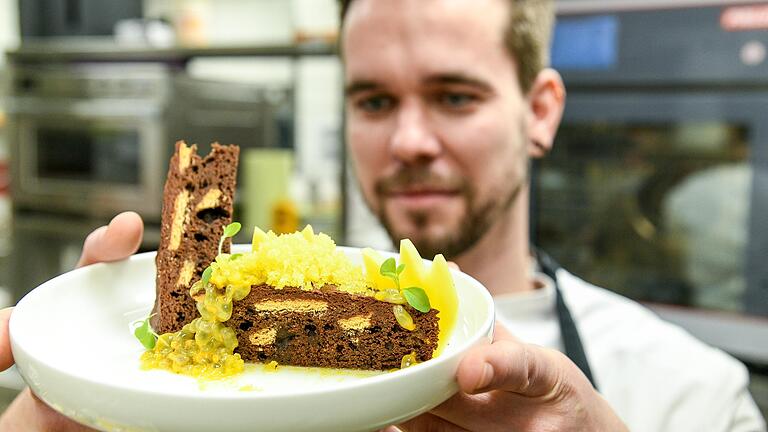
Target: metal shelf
{"x": 82, "y": 51}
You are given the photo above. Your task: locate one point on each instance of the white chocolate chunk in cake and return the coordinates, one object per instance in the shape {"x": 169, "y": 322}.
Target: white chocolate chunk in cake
{"x": 209, "y": 200}
{"x": 303, "y": 306}
{"x": 185, "y": 275}
{"x": 179, "y": 217}
{"x": 359, "y": 322}
{"x": 185, "y": 157}
{"x": 265, "y": 336}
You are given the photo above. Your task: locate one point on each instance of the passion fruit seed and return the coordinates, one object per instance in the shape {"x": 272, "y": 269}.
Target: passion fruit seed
{"x": 408, "y": 360}
{"x": 390, "y": 296}
{"x": 403, "y": 318}
{"x": 202, "y": 349}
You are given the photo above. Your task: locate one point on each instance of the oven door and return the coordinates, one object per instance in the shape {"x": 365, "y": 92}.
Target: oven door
{"x": 663, "y": 197}
{"x": 95, "y": 158}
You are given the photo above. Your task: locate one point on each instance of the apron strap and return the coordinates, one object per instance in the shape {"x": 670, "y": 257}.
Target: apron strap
{"x": 568, "y": 331}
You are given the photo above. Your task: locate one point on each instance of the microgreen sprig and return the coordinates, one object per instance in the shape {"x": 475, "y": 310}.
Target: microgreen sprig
{"x": 206, "y": 275}
{"x": 390, "y": 269}
{"x": 230, "y": 231}
{"x": 144, "y": 333}
{"x": 415, "y": 296}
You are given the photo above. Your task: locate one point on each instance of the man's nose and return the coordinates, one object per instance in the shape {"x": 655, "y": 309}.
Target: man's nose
{"x": 414, "y": 139}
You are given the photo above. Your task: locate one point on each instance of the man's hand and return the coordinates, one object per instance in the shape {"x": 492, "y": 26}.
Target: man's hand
{"x": 117, "y": 241}
{"x": 512, "y": 386}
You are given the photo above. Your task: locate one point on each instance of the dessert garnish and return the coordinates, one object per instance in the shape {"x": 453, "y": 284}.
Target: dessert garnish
{"x": 414, "y": 296}
{"x": 144, "y": 333}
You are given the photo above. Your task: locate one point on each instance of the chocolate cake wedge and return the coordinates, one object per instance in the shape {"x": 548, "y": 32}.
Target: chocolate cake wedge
{"x": 197, "y": 205}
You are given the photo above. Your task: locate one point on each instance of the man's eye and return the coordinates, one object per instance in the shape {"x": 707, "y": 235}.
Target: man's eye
{"x": 456, "y": 100}
{"x": 375, "y": 104}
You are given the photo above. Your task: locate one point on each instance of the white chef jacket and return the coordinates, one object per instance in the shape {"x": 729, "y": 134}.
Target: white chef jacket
{"x": 656, "y": 376}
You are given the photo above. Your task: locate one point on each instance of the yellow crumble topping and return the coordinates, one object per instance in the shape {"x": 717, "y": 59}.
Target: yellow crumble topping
{"x": 303, "y": 259}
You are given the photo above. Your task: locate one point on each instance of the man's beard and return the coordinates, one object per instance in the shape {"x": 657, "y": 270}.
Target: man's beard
{"x": 478, "y": 218}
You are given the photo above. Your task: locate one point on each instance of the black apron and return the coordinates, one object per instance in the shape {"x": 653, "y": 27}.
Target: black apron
{"x": 571, "y": 339}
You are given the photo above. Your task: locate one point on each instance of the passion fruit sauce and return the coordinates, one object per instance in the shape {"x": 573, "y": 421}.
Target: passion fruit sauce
{"x": 205, "y": 347}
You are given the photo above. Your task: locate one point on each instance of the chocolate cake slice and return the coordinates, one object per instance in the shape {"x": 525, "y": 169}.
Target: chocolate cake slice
{"x": 197, "y": 205}
{"x": 328, "y": 328}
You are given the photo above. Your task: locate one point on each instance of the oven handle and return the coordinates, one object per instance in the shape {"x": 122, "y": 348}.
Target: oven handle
{"x": 117, "y": 108}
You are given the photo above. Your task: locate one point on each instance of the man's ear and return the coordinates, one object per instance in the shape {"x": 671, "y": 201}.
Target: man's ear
{"x": 546, "y": 101}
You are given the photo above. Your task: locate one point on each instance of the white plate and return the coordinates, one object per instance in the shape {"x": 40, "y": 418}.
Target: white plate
{"x": 72, "y": 343}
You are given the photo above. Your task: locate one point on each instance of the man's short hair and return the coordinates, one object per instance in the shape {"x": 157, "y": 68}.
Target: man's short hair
{"x": 527, "y": 35}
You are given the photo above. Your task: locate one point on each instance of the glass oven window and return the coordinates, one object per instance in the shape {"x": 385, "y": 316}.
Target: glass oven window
{"x": 93, "y": 155}
{"x": 657, "y": 212}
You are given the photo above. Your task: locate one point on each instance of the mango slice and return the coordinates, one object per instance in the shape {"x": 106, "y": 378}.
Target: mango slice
{"x": 258, "y": 237}
{"x": 372, "y": 263}
{"x": 414, "y": 273}
{"x": 436, "y": 281}
{"x": 442, "y": 296}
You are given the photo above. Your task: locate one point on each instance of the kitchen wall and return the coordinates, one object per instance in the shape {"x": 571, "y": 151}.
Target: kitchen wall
{"x": 9, "y": 38}
{"x": 227, "y": 22}
{"x": 9, "y": 27}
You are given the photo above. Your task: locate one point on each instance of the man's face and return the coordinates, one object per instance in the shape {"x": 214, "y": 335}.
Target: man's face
{"x": 436, "y": 120}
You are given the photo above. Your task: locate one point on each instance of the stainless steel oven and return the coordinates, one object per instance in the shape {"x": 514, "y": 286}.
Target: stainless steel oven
{"x": 90, "y": 139}
{"x": 657, "y": 186}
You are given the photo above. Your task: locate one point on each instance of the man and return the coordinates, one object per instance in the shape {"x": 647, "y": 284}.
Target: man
{"x": 446, "y": 102}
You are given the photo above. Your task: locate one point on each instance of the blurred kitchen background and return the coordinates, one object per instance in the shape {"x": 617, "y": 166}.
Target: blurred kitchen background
{"x": 657, "y": 187}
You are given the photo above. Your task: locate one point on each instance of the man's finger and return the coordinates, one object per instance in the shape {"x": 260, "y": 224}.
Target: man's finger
{"x": 514, "y": 367}
{"x": 6, "y": 358}
{"x": 117, "y": 241}
{"x": 429, "y": 422}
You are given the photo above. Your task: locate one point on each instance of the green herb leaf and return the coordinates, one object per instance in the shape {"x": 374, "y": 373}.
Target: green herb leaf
{"x": 232, "y": 229}
{"x": 235, "y": 256}
{"x": 229, "y": 231}
{"x": 145, "y": 335}
{"x": 400, "y": 269}
{"x": 206, "y": 275}
{"x": 388, "y": 268}
{"x": 417, "y": 298}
